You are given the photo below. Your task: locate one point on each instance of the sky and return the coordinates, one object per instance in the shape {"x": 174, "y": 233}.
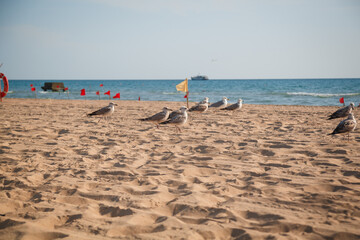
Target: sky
{"x": 177, "y": 39}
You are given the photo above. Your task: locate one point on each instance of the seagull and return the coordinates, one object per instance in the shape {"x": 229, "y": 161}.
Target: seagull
{"x": 206, "y": 100}
{"x": 202, "y": 107}
{"x": 220, "y": 104}
{"x": 158, "y": 117}
{"x": 104, "y": 112}
{"x": 345, "y": 126}
{"x": 342, "y": 112}
{"x": 234, "y": 106}
{"x": 179, "y": 119}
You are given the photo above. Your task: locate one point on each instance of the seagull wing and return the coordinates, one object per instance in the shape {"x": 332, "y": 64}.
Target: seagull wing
{"x": 101, "y": 111}
{"x": 200, "y": 108}
{"x": 232, "y": 107}
{"x": 342, "y": 112}
{"x": 217, "y": 104}
{"x": 156, "y": 117}
{"x": 178, "y": 119}
{"x": 174, "y": 113}
{"x": 344, "y": 126}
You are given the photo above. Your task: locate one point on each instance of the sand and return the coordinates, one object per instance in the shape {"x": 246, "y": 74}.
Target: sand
{"x": 264, "y": 172}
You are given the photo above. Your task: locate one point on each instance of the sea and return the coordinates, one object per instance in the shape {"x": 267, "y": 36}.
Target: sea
{"x": 314, "y": 92}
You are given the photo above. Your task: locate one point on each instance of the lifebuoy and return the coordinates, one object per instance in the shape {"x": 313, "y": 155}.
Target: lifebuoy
{"x": 6, "y": 85}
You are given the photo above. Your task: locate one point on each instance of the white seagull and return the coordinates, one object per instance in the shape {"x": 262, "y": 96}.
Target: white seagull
{"x": 179, "y": 119}
{"x": 345, "y": 126}
{"x": 220, "y": 104}
{"x": 202, "y": 107}
{"x": 342, "y": 112}
{"x": 206, "y": 100}
{"x": 104, "y": 112}
{"x": 158, "y": 117}
{"x": 234, "y": 106}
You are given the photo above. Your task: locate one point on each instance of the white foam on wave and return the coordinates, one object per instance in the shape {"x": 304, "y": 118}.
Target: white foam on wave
{"x": 321, "y": 94}
{"x": 170, "y": 93}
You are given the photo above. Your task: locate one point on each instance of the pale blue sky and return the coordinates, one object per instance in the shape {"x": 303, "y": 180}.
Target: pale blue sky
{"x": 175, "y": 39}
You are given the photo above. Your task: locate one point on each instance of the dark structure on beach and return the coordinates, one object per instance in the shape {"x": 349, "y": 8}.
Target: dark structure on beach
{"x": 53, "y": 86}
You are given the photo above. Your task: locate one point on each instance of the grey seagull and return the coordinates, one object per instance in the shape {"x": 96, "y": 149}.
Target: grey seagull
{"x": 158, "y": 117}
{"x": 220, "y": 104}
{"x": 342, "y": 112}
{"x": 179, "y": 119}
{"x": 345, "y": 126}
{"x": 104, "y": 112}
{"x": 234, "y": 106}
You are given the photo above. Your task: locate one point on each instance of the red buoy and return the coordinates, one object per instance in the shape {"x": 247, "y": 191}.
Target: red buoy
{"x": 6, "y": 85}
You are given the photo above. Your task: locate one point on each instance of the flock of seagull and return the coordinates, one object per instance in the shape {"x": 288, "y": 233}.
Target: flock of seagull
{"x": 347, "y": 125}
{"x": 177, "y": 117}
{"x": 180, "y": 117}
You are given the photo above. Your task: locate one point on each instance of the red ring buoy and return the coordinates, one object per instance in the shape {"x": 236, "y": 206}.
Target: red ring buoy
{"x": 6, "y": 85}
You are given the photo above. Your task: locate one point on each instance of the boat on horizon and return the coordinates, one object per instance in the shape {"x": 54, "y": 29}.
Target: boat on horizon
{"x": 200, "y": 77}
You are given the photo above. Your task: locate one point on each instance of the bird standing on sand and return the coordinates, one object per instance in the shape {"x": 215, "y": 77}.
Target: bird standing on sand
{"x": 345, "y": 126}
{"x": 342, "y": 112}
{"x": 234, "y": 106}
{"x": 201, "y": 106}
{"x": 174, "y": 113}
{"x": 220, "y": 104}
{"x": 104, "y": 112}
{"x": 179, "y": 119}
{"x": 158, "y": 117}
{"x": 206, "y": 100}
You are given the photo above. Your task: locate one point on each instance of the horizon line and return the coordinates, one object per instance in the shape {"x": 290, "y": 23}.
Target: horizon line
{"x": 178, "y": 79}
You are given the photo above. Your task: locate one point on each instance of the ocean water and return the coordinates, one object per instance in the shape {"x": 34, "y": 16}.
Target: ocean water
{"x": 318, "y": 92}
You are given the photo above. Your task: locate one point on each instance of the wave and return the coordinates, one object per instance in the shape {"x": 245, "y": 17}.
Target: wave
{"x": 179, "y": 93}
{"x": 322, "y": 95}
{"x": 170, "y": 93}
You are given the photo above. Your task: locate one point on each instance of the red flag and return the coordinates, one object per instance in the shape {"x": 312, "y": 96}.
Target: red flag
{"x": 341, "y": 100}
{"x": 139, "y": 98}
{"x": 65, "y": 89}
{"x": 186, "y": 96}
{"x": 117, "y": 96}
{"x": 97, "y": 93}
{"x": 57, "y": 86}
{"x": 31, "y": 85}
{"x": 107, "y": 93}
{"x": 33, "y": 89}
{"x": 101, "y": 85}
{"x": 83, "y": 93}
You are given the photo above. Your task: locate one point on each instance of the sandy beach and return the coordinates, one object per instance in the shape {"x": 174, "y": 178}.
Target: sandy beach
{"x": 264, "y": 172}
